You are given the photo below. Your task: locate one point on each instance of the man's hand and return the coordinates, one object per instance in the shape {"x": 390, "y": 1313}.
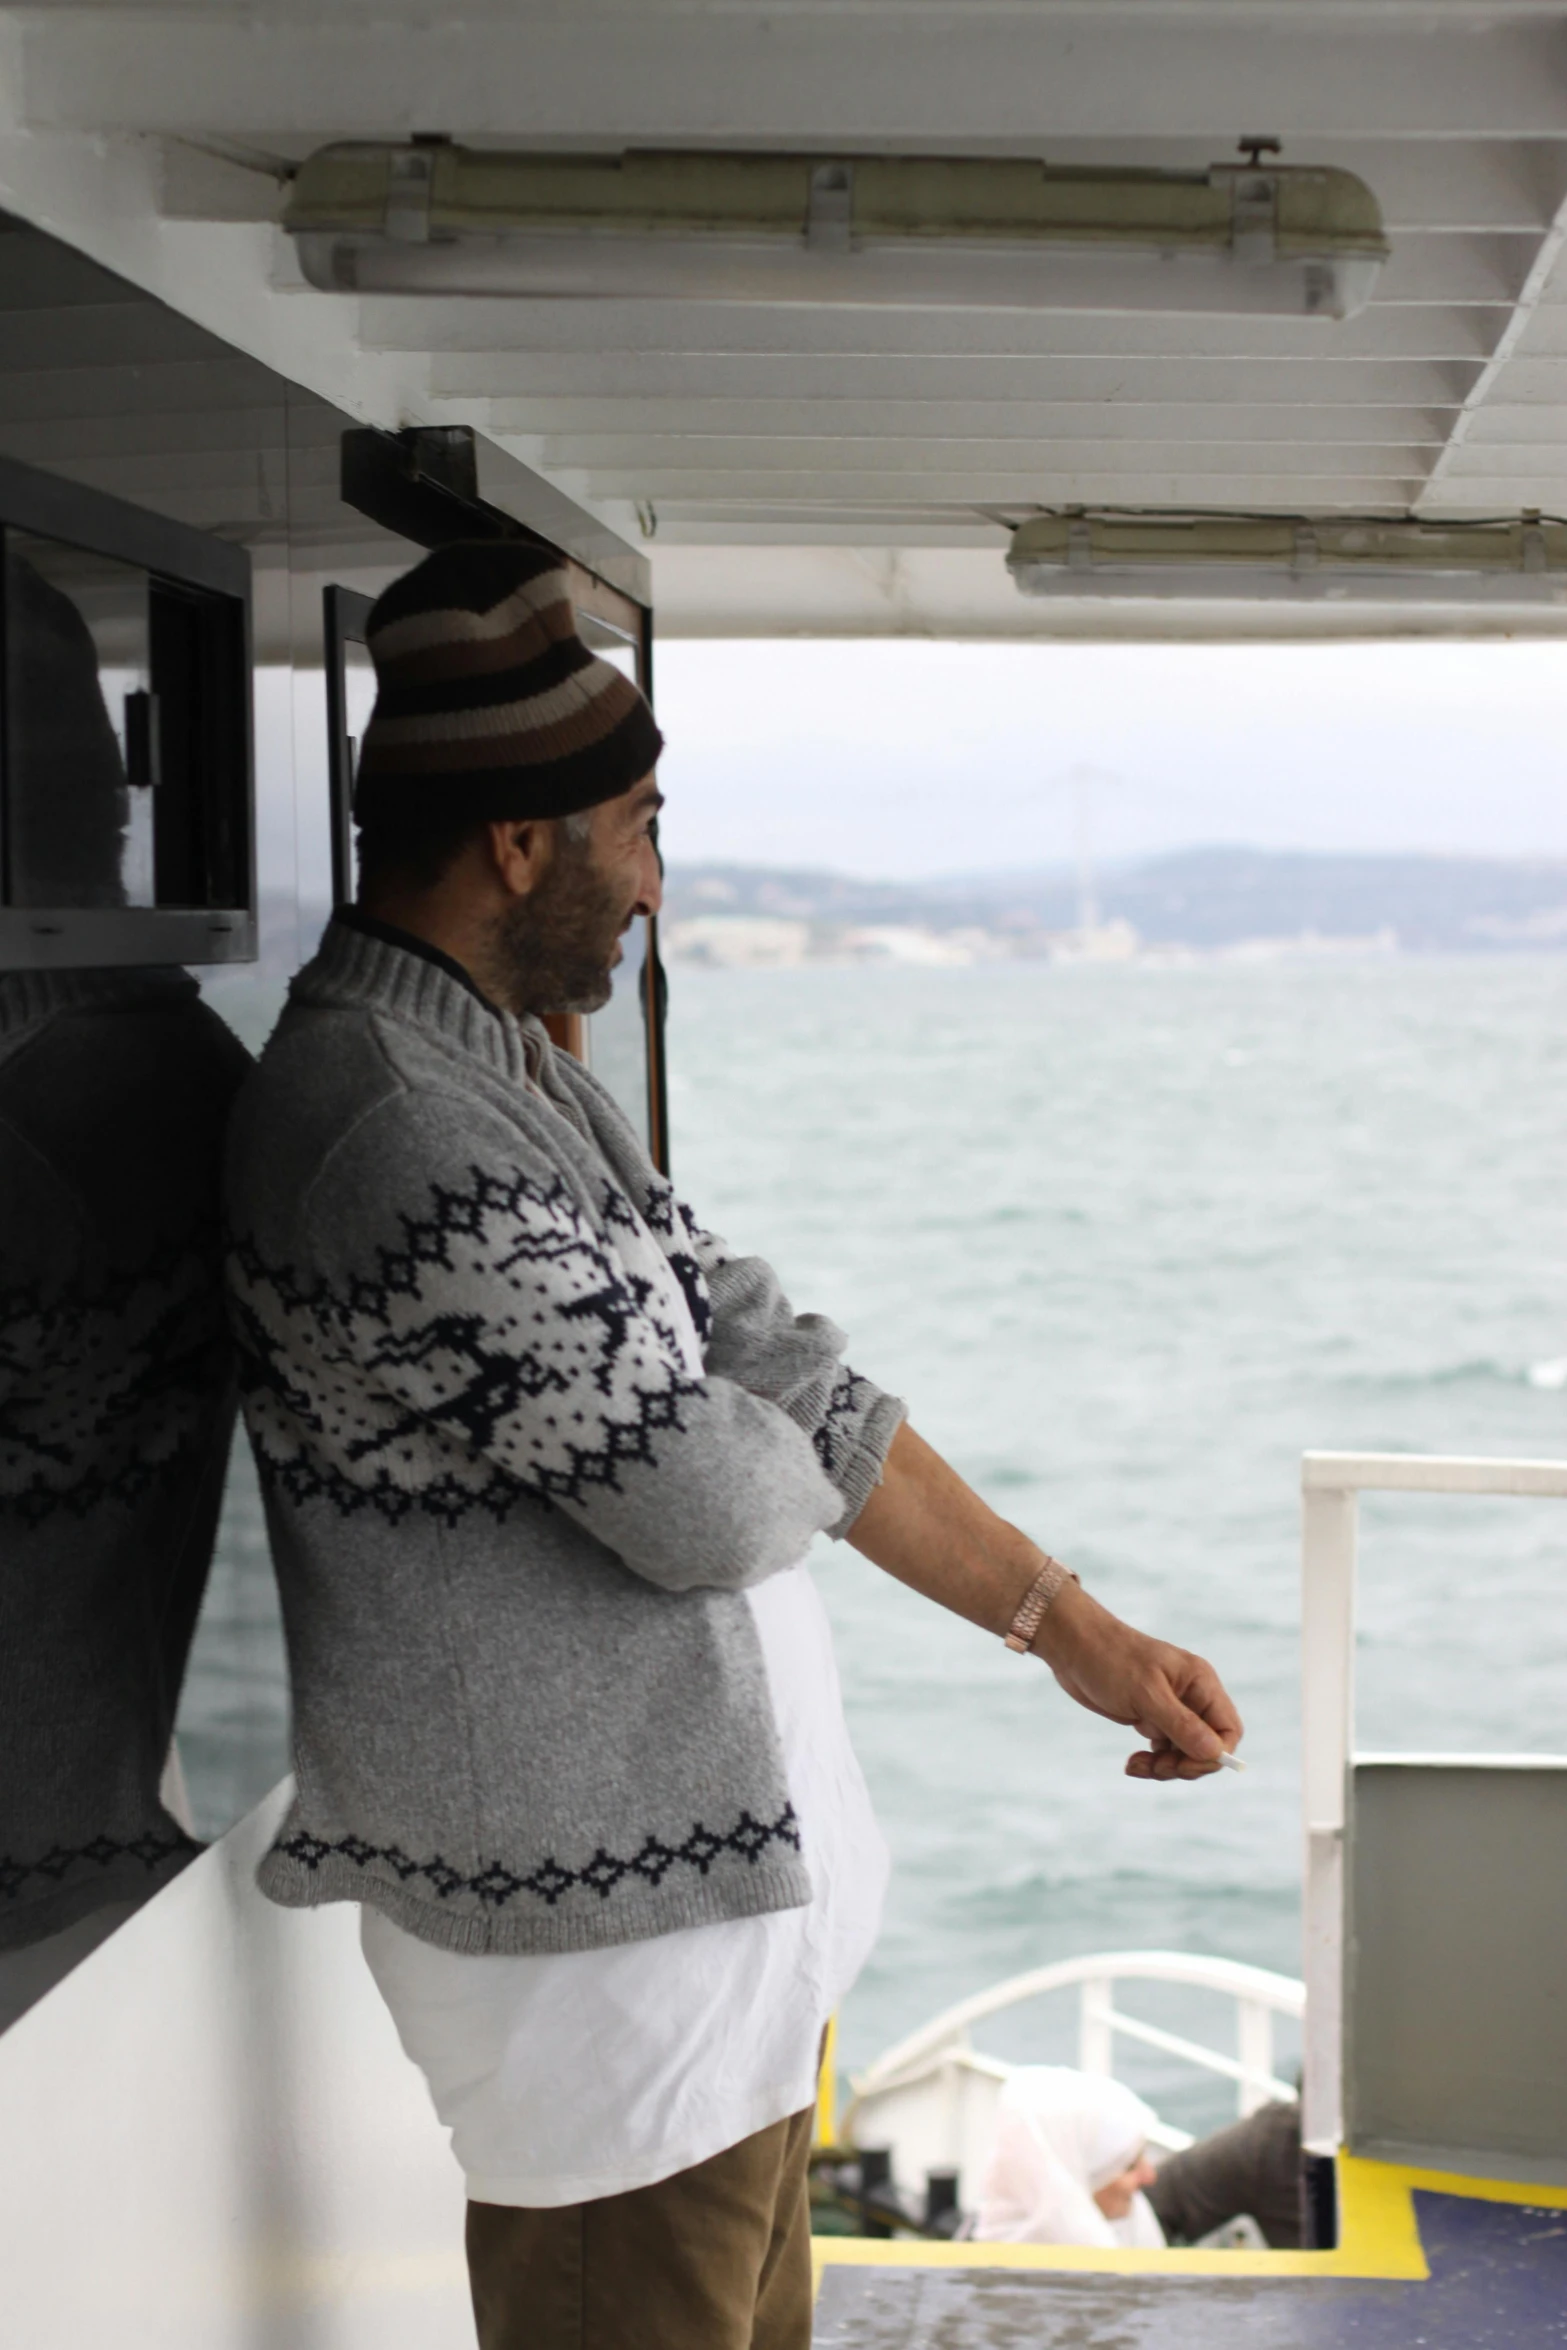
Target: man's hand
{"x": 924, "y": 1525}
{"x": 1173, "y": 1699}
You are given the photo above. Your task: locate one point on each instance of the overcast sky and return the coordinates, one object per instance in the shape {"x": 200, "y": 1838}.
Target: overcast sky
{"x": 904, "y": 759}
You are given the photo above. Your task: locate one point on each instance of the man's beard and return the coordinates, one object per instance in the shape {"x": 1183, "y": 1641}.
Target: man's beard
{"x": 554, "y": 952}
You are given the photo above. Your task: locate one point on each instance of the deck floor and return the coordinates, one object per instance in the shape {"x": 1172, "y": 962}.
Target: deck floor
{"x": 1498, "y": 2281}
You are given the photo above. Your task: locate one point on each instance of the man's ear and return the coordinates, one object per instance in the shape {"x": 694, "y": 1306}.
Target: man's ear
{"x": 520, "y": 851}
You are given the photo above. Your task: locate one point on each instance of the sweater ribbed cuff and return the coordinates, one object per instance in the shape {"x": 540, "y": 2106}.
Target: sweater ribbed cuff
{"x": 862, "y": 1472}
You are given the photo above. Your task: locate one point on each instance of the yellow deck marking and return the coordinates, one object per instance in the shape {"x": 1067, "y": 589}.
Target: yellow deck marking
{"x": 1379, "y": 2236}
{"x": 827, "y": 2087}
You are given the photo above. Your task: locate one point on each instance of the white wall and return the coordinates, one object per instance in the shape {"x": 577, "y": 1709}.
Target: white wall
{"x": 211, "y": 2140}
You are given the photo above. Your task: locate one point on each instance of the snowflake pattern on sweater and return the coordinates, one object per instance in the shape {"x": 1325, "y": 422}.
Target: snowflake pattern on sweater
{"x": 106, "y": 1383}
{"x": 505, "y": 1351}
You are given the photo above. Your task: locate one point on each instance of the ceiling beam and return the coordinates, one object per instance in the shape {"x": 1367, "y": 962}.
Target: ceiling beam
{"x": 634, "y": 462}
{"x": 510, "y": 387}
{"x": 1484, "y": 268}
{"x": 1463, "y": 493}
{"x": 720, "y": 423}
{"x": 1502, "y": 424}
{"x": 1547, "y": 276}
{"x": 1182, "y": 481}
{"x": 1519, "y": 462}
{"x": 839, "y": 76}
{"x": 817, "y": 588}
{"x": 489, "y": 329}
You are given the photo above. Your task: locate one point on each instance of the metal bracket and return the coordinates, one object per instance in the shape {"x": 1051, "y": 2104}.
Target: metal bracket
{"x": 829, "y": 217}
{"x": 422, "y": 484}
{"x": 1254, "y": 219}
{"x": 409, "y": 185}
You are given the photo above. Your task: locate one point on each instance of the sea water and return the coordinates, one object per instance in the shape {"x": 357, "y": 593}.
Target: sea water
{"x": 1129, "y": 1239}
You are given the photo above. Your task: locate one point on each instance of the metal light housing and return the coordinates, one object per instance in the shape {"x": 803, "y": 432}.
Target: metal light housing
{"x": 1299, "y": 558}
{"x": 915, "y": 231}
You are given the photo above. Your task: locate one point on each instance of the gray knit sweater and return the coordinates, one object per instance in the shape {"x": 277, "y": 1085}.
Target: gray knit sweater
{"x": 116, "y": 1406}
{"x": 526, "y": 1434}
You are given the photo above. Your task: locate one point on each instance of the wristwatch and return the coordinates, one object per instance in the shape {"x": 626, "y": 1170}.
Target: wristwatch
{"x": 1049, "y": 1581}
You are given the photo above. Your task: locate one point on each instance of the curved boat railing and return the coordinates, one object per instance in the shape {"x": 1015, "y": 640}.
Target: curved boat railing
{"x": 1258, "y": 1996}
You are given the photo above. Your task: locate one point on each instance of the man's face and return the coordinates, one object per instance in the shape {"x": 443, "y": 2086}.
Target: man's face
{"x": 562, "y": 942}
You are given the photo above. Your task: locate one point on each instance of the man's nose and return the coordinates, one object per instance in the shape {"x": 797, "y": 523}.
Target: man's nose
{"x": 651, "y": 894}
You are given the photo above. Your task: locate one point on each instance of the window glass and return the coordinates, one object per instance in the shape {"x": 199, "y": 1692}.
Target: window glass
{"x": 358, "y": 694}
{"x": 617, "y": 1036}
{"x": 358, "y": 702}
{"x": 82, "y": 734}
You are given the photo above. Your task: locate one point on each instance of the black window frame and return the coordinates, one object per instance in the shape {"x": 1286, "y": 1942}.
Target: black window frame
{"x": 189, "y": 565}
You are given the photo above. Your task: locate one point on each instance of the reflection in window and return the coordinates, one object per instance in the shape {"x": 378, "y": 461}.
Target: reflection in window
{"x": 126, "y": 757}
{"x": 82, "y": 733}
{"x": 116, "y": 1405}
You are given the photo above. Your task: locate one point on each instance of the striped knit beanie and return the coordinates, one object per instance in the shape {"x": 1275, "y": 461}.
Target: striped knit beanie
{"x": 488, "y": 703}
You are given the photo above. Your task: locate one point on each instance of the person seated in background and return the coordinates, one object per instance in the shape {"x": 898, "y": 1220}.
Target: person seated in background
{"x": 1070, "y": 2164}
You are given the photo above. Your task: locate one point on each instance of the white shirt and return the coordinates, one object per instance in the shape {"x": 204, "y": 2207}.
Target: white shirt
{"x": 587, "y": 2073}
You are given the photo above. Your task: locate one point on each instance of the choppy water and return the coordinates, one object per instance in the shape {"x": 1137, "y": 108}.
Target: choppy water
{"x": 1130, "y": 1240}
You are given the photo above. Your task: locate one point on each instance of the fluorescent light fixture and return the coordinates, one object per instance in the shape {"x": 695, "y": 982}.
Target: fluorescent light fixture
{"x": 920, "y": 231}
{"x": 1292, "y": 558}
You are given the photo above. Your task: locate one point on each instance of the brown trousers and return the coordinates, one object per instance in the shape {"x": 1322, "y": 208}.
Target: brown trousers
{"x": 716, "y": 2258}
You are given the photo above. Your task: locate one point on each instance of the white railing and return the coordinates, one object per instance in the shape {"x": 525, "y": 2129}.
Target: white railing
{"x": 1258, "y": 1997}
{"x": 1331, "y": 1483}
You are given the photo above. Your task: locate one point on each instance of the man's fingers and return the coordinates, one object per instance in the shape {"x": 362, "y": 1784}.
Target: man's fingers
{"x": 1170, "y": 1697}
{"x": 1205, "y": 1694}
{"x": 1163, "y": 1762}
{"x": 1184, "y": 1742}
{"x": 1162, "y": 1713}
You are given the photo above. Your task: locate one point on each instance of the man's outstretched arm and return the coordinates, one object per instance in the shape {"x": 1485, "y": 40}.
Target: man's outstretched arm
{"x": 926, "y": 1527}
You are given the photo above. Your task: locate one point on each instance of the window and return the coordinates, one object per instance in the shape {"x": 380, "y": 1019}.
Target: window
{"x": 125, "y": 766}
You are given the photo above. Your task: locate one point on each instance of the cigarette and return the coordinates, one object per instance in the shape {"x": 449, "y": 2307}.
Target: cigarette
{"x": 1231, "y": 1762}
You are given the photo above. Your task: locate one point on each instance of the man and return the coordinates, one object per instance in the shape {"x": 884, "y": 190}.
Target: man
{"x": 542, "y": 1461}
{"x": 116, "y": 1374}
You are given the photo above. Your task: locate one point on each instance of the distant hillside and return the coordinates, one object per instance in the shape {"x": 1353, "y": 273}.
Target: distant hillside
{"x": 1201, "y": 898}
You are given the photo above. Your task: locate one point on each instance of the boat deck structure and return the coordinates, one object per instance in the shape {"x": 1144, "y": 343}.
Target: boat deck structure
{"x": 1424, "y": 2257}
{"x": 1023, "y": 320}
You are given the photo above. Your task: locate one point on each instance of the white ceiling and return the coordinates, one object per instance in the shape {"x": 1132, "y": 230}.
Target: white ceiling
{"x": 731, "y": 427}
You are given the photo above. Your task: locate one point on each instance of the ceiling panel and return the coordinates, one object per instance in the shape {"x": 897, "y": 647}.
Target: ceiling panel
{"x": 1448, "y": 392}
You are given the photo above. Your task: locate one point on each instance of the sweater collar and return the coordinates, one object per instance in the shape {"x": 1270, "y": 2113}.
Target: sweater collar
{"x": 390, "y": 934}
{"x": 372, "y": 966}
